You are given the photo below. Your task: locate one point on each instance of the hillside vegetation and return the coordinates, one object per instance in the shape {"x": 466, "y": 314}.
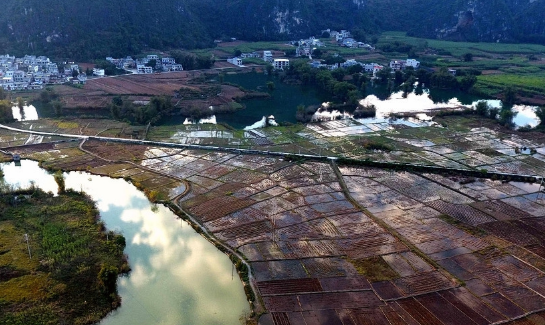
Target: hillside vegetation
{"x": 95, "y": 29}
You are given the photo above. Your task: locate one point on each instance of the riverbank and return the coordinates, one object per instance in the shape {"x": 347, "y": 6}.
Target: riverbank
{"x": 57, "y": 261}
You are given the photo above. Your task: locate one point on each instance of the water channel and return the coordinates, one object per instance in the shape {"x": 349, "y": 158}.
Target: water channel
{"x": 177, "y": 276}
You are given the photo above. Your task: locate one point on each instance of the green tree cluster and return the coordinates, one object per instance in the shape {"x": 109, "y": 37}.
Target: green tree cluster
{"x": 6, "y": 113}
{"x": 157, "y": 108}
{"x": 330, "y": 83}
{"x": 191, "y": 61}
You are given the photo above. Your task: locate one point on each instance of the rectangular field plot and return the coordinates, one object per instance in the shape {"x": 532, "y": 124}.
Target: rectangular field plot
{"x": 423, "y": 283}
{"x": 279, "y": 287}
{"x": 463, "y": 213}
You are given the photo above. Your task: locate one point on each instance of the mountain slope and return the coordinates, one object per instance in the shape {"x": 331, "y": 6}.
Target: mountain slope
{"x": 91, "y": 29}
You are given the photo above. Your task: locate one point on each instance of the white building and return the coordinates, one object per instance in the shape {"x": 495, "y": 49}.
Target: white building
{"x": 412, "y": 63}
{"x": 281, "y": 64}
{"x": 166, "y": 61}
{"x": 144, "y": 69}
{"x": 267, "y": 56}
{"x": 397, "y": 65}
{"x": 98, "y": 72}
{"x": 236, "y": 61}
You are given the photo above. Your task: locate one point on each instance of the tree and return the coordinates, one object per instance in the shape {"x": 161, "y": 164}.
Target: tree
{"x": 107, "y": 278}
{"x": 325, "y": 34}
{"x": 509, "y": 96}
{"x": 468, "y": 57}
{"x": 506, "y": 115}
{"x": 467, "y": 82}
{"x": 238, "y": 52}
{"x": 540, "y": 113}
{"x": 151, "y": 63}
{"x": 383, "y": 75}
{"x": 270, "y": 85}
{"x": 75, "y": 73}
{"x": 57, "y": 106}
{"x": 6, "y": 114}
{"x": 482, "y": 108}
{"x": 269, "y": 69}
{"x": 20, "y": 102}
{"x": 317, "y": 53}
{"x": 2, "y": 93}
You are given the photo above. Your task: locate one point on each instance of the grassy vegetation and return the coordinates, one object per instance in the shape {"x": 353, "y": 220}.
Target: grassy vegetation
{"x": 254, "y": 46}
{"x": 528, "y": 84}
{"x": 460, "y": 48}
{"x": 70, "y": 277}
{"x": 507, "y": 65}
{"x": 374, "y": 269}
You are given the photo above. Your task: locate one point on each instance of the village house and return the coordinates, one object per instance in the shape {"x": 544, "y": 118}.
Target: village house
{"x": 281, "y": 64}
{"x": 250, "y": 55}
{"x": 98, "y": 72}
{"x": 143, "y": 69}
{"x": 401, "y": 65}
{"x": 236, "y": 61}
{"x": 267, "y": 56}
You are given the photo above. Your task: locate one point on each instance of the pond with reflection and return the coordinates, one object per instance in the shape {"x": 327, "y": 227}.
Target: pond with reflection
{"x": 177, "y": 276}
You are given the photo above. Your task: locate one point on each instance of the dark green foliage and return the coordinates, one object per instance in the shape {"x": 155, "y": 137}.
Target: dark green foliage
{"x": 506, "y": 116}
{"x": 96, "y": 29}
{"x": 482, "y": 108}
{"x": 468, "y": 57}
{"x": 397, "y": 47}
{"x": 107, "y": 278}
{"x": 109, "y": 68}
{"x": 509, "y": 96}
{"x": 151, "y": 63}
{"x": 192, "y": 61}
{"x": 158, "y": 107}
{"x": 6, "y": 114}
{"x": 71, "y": 247}
{"x": 540, "y": 112}
{"x": 467, "y": 82}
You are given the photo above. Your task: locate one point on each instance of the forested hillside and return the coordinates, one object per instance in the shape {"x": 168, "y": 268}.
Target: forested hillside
{"x": 91, "y": 29}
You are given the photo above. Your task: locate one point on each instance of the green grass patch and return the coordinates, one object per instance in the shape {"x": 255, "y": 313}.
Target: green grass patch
{"x": 492, "y": 84}
{"x": 374, "y": 269}
{"x": 460, "y": 48}
{"x": 63, "y": 280}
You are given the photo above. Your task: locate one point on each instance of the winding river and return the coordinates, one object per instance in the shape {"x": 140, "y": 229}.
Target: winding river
{"x": 177, "y": 276}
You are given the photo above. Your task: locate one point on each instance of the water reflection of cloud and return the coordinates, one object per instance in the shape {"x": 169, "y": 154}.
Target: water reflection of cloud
{"x": 413, "y": 103}
{"x": 177, "y": 276}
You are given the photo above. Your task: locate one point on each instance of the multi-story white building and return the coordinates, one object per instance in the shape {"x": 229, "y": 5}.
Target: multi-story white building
{"x": 281, "y": 64}
{"x": 267, "y": 56}
{"x": 412, "y": 63}
{"x": 143, "y": 69}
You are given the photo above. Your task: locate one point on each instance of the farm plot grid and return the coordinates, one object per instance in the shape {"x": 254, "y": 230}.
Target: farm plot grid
{"x": 318, "y": 259}
{"x": 447, "y": 250}
{"x": 485, "y": 233}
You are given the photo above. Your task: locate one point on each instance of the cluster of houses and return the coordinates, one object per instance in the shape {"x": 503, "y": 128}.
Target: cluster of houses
{"x": 344, "y": 38}
{"x": 368, "y": 67}
{"x": 267, "y": 56}
{"x": 29, "y": 72}
{"x": 142, "y": 65}
{"x": 305, "y": 47}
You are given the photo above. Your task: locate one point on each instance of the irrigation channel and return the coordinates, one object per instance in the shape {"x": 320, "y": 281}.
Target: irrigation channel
{"x": 177, "y": 276}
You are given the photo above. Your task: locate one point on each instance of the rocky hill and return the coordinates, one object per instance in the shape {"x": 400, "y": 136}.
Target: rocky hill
{"x": 90, "y": 29}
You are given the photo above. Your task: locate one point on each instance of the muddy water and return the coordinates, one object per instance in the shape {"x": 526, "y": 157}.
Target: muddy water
{"x": 177, "y": 276}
